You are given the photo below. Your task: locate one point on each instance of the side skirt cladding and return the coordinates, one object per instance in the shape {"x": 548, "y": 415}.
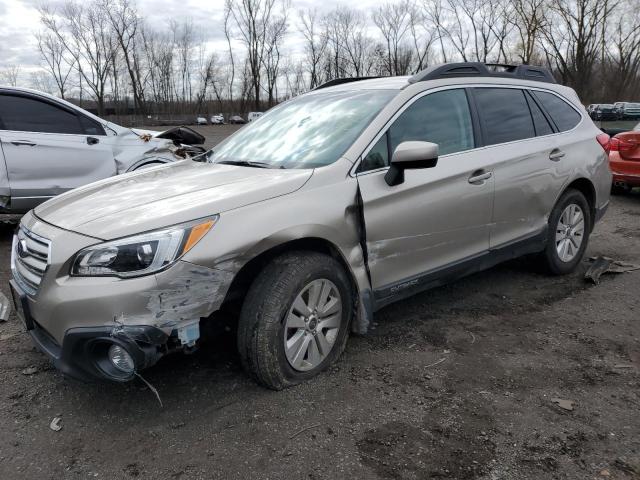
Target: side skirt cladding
{"x": 411, "y": 286}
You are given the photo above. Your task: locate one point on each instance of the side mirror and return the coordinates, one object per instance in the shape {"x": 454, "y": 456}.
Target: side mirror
{"x": 411, "y": 155}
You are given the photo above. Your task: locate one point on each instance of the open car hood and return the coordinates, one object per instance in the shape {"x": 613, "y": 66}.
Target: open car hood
{"x": 179, "y": 135}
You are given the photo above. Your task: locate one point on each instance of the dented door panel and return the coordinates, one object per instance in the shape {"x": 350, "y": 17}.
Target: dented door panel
{"x": 436, "y": 217}
{"x": 42, "y": 165}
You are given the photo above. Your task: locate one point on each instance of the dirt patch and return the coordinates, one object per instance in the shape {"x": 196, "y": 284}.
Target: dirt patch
{"x": 437, "y": 446}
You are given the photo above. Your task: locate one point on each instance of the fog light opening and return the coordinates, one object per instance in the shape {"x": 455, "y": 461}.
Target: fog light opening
{"x": 121, "y": 359}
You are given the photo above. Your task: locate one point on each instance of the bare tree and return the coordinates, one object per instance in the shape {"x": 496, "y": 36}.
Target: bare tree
{"x": 528, "y": 20}
{"x": 394, "y": 22}
{"x": 54, "y": 54}
{"x": 572, "y": 40}
{"x": 85, "y": 32}
{"x": 276, "y": 31}
{"x": 315, "y": 44}
{"x": 10, "y": 75}
{"x": 251, "y": 19}
{"x": 124, "y": 21}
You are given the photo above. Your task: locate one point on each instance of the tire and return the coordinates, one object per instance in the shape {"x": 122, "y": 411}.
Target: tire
{"x": 561, "y": 255}
{"x": 264, "y": 326}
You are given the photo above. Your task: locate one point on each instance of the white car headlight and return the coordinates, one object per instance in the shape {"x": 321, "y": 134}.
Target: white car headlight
{"x": 141, "y": 254}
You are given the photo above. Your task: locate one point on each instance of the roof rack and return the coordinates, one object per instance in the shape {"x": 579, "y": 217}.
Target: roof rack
{"x": 479, "y": 69}
{"x": 340, "y": 81}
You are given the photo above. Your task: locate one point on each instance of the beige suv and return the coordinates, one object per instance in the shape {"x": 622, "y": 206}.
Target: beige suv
{"x": 311, "y": 218}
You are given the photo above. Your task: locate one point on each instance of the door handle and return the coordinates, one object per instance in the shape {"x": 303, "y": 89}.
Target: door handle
{"x": 478, "y": 178}
{"x": 27, "y": 143}
{"x": 556, "y": 154}
{"x": 92, "y": 140}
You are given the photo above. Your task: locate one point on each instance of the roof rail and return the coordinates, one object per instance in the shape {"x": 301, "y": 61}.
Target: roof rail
{"x": 340, "y": 81}
{"x": 479, "y": 69}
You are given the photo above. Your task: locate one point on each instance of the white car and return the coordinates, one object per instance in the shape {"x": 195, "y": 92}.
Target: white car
{"x": 201, "y": 121}
{"x": 49, "y": 146}
{"x": 217, "y": 119}
{"x": 254, "y": 116}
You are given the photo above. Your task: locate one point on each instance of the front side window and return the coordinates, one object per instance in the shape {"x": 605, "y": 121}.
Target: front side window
{"x": 564, "y": 116}
{"x": 310, "y": 131}
{"x": 505, "y": 115}
{"x": 25, "y": 114}
{"x": 441, "y": 117}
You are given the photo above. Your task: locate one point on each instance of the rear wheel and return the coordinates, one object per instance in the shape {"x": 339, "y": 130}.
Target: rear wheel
{"x": 295, "y": 319}
{"x": 569, "y": 229}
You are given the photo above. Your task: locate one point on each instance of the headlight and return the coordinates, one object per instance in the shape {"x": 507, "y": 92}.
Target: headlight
{"x": 141, "y": 254}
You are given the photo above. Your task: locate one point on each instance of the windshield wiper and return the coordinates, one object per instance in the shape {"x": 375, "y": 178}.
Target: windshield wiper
{"x": 246, "y": 163}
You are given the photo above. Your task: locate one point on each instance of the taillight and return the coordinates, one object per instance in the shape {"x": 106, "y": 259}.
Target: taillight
{"x": 604, "y": 141}
{"x": 620, "y": 145}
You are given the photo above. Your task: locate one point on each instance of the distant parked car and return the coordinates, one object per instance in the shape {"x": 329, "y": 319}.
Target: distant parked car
{"x": 237, "y": 119}
{"x": 624, "y": 160}
{"x": 630, "y": 111}
{"x": 201, "y": 121}
{"x": 217, "y": 119}
{"x": 591, "y": 108}
{"x": 254, "y": 116}
{"x": 49, "y": 146}
{"x": 605, "y": 111}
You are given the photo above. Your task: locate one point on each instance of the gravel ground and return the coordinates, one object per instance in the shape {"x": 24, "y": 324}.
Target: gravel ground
{"x": 455, "y": 383}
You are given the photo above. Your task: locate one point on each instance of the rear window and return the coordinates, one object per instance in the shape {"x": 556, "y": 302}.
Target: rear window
{"x": 564, "y": 116}
{"x": 505, "y": 115}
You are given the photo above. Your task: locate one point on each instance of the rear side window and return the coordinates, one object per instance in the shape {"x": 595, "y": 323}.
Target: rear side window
{"x": 540, "y": 122}
{"x": 563, "y": 115}
{"x": 28, "y": 115}
{"x": 441, "y": 117}
{"x": 505, "y": 115}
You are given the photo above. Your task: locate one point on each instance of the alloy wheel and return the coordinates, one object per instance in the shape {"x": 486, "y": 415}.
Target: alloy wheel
{"x": 570, "y": 232}
{"x": 312, "y": 324}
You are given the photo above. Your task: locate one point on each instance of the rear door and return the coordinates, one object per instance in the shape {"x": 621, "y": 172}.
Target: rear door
{"x": 438, "y": 217}
{"x": 49, "y": 149}
{"x": 527, "y": 162}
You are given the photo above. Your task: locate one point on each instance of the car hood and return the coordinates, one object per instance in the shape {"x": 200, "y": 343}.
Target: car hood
{"x": 181, "y": 135}
{"x": 165, "y": 195}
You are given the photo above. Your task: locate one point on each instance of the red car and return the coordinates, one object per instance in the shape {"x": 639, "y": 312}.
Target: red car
{"x": 624, "y": 159}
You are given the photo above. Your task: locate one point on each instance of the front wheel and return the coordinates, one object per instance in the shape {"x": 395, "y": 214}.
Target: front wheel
{"x": 569, "y": 229}
{"x": 295, "y": 319}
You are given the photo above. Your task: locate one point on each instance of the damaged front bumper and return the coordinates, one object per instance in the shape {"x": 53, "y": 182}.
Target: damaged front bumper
{"x": 75, "y": 320}
{"x": 83, "y": 354}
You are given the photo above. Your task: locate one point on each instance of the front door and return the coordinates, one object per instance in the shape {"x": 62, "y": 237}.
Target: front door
{"x": 438, "y": 217}
{"x": 50, "y": 149}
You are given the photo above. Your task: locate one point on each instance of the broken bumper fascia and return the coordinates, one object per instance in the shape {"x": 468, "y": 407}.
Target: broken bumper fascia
{"x": 82, "y": 351}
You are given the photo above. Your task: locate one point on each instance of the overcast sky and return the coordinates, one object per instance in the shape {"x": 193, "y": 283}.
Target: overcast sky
{"x": 19, "y": 21}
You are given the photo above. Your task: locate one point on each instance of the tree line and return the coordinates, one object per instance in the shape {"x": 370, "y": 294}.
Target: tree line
{"x": 104, "y": 50}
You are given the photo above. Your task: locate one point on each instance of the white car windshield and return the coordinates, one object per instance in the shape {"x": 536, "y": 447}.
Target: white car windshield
{"x": 308, "y": 132}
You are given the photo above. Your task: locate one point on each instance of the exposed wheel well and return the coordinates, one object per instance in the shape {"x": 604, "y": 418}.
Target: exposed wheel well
{"x": 585, "y": 187}
{"x": 250, "y": 270}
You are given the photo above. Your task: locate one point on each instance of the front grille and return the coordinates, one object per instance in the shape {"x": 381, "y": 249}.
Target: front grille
{"x": 29, "y": 259}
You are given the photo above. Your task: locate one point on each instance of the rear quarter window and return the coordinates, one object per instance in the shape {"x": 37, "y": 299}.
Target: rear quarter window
{"x": 563, "y": 115}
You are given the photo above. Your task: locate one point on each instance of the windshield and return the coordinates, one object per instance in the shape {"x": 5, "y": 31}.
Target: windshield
{"x": 308, "y": 132}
